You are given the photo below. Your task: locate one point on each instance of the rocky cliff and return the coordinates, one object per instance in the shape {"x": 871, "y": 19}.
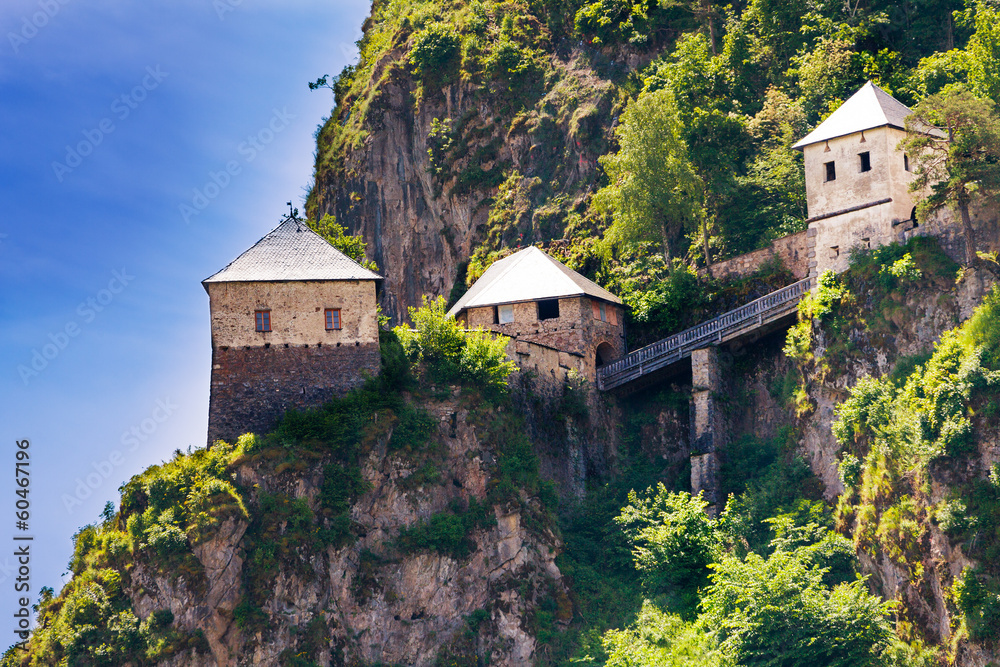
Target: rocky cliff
{"x": 499, "y": 148}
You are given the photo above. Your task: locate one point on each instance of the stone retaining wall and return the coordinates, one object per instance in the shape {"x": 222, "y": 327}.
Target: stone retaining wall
{"x": 252, "y": 387}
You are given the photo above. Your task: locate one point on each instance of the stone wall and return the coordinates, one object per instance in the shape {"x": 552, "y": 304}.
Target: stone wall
{"x": 297, "y": 312}
{"x": 576, "y": 330}
{"x": 791, "y": 250}
{"x": 887, "y": 178}
{"x": 252, "y": 387}
{"x": 547, "y": 363}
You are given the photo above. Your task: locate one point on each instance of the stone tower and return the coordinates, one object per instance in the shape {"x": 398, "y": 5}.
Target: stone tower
{"x": 857, "y": 180}
{"x": 294, "y": 323}
{"x": 557, "y": 319}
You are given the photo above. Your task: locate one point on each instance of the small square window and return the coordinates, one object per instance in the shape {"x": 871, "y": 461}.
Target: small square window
{"x": 548, "y": 309}
{"x": 866, "y": 161}
{"x": 506, "y": 314}
{"x": 262, "y": 320}
{"x": 332, "y": 319}
{"x": 831, "y": 171}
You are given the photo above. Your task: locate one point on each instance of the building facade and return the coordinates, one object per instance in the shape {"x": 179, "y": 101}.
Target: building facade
{"x": 557, "y": 319}
{"x": 294, "y": 323}
{"x": 857, "y": 179}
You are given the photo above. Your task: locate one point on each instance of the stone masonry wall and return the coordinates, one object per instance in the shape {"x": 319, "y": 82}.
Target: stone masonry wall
{"x": 576, "y": 330}
{"x": 297, "y": 312}
{"x": 791, "y": 250}
{"x": 548, "y": 364}
{"x": 253, "y": 387}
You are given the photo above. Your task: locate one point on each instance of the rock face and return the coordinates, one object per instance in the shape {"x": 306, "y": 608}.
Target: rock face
{"x": 369, "y": 603}
{"x": 422, "y": 220}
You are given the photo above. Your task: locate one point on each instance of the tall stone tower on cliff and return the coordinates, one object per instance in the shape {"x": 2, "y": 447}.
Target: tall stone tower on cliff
{"x": 857, "y": 180}
{"x": 294, "y": 323}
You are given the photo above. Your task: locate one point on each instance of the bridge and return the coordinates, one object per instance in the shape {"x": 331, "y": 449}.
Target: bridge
{"x": 637, "y": 368}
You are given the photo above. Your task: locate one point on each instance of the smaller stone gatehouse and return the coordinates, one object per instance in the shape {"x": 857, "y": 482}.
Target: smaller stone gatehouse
{"x": 294, "y": 323}
{"x": 557, "y": 320}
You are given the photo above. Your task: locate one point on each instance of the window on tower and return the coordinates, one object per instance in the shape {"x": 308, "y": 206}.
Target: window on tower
{"x": 831, "y": 171}
{"x": 262, "y": 320}
{"x": 332, "y": 319}
{"x": 866, "y": 161}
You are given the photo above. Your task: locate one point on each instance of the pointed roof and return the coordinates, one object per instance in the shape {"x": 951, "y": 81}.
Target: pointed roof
{"x": 528, "y": 275}
{"x": 292, "y": 251}
{"x": 866, "y": 109}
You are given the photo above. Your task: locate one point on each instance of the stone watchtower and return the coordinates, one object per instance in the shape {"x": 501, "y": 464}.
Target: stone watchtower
{"x": 857, "y": 180}
{"x": 557, "y": 320}
{"x": 294, "y": 323}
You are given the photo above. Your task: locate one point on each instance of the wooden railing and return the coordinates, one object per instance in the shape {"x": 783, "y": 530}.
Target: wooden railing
{"x": 672, "y": 349}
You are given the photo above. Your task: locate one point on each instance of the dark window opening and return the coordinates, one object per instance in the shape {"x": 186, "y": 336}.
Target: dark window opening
{"x": 262, "y": 320}
{"x": 866, "y": 161}
{"x": 496, "y": 315}
{"x": 548, "y": 309}
{"x": 831, "y": 171}
{"x": 906, "y": 162}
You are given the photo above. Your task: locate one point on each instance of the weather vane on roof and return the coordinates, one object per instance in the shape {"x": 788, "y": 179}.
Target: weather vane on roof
{"x": 293, "y": 213}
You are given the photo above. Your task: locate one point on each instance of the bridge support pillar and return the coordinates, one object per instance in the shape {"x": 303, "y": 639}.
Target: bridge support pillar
{"x": 707, "y": 425}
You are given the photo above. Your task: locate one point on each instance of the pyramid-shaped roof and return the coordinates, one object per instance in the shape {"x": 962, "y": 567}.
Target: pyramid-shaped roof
{"x": 866, "y": 109}
{"x": 292, "y": 251}
{"x": 528, "y": 275}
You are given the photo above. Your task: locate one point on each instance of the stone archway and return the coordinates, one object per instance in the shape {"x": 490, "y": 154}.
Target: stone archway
{"x": 604, "y": 354}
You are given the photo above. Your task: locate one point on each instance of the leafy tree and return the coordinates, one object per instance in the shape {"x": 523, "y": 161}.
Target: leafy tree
{"x": 957, "y": 162}
{"x": 336, "y": 234}
{"x": 779, "y": 611}
{"x": 654, "y": 193}
{"x": 673, "y": 541}
{"x": 984, "y": 53}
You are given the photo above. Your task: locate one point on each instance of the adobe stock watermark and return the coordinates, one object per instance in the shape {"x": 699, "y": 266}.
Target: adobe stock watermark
{"x": 223, "y": 7}
{"x": 248, "y": 150}
{"x": 131, "y": 440}
{"x": 31, "y": 25}
{"x": 59, "y": 340}
{"x": 121, "y": 108}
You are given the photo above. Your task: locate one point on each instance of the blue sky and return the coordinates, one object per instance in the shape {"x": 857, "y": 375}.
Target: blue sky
{"x": 114, "y": 116}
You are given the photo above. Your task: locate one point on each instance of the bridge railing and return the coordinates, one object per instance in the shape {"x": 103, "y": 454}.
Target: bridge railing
{"x": 676, "y": 347}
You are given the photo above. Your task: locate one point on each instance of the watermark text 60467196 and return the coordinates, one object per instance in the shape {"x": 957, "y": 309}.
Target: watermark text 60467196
{"x": 22, "y": 540}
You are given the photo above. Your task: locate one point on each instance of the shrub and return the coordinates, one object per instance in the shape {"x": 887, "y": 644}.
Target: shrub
{"x": 448, "y": 533}
{"x": 450, "y": 353}
{"x": 435, "y": 52}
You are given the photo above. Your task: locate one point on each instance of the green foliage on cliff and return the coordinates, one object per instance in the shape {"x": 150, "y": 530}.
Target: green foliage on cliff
{"x": 902, "y": 439}
{"x": 797, "y": 602}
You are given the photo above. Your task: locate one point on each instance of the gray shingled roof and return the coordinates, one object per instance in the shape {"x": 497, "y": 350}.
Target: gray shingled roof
{"x": 528, "y": 275}
{"x": 866, "y": 109}
{"x": 292, "y": 251}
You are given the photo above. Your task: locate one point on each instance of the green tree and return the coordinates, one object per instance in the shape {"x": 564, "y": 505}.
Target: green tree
{"x": 779, "y": 611}
{"x": 673, "y": 541}
{"x": 336, "y": 234}
{"x": 957, "y": 162}
{"x": 983, "y": 59}
{"x": 654, "y": 192}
